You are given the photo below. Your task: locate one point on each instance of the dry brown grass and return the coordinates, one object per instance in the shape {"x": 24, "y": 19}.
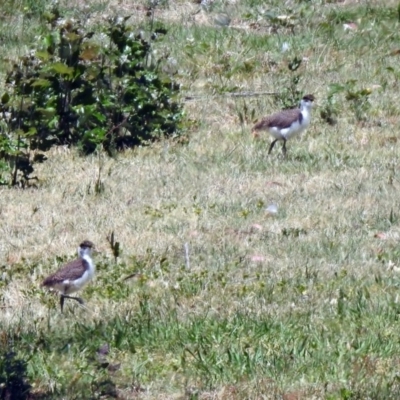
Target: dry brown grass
{"x": 335, "y": 194}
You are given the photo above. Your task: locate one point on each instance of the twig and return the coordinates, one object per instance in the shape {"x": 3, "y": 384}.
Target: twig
{"x": 237, "y": 94}
{"x": 117, "y": 126}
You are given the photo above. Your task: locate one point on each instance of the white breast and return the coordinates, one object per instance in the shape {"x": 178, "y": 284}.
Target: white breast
{"x": 295, "y": 129}
{"x": 71, "y": 286}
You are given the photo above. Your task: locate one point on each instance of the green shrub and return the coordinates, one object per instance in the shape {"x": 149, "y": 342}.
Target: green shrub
{"x": 86, "y": 89}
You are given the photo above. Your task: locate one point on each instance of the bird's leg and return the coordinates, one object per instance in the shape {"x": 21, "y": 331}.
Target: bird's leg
{"x": 78, "y": 299}
{"x": 62, "y": 302}
{"x": 272, "y": 146}
{"x": 64, "y": 296}
{"x": 284, "y": 147}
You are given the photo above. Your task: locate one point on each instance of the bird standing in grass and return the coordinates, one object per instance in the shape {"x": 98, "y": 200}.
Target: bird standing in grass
{"x": 73, "y": 276}
{"x": 287, "y": 123}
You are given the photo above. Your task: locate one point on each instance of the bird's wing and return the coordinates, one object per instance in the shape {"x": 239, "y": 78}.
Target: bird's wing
{"x": 279, "y": 120}
{"x": 71, "y": 271}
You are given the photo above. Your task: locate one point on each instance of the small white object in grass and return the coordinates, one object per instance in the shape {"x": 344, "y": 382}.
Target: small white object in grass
{"x": 393, "y": 267}
{"x": 272, "y": 209}
{"x": 285, "y": 47}
{"x": 350, "y": 26}
{"x": 187, "y": 259}
{"x": 171, "y": 66}
{"x": 333, "y": 301}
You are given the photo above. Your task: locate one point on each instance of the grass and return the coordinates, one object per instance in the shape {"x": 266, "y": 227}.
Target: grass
{"x": 296, "y": 305}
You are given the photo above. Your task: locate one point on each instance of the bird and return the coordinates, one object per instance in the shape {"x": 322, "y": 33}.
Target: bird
{"x": 73, "y": 276}
{"x": 286, "y": 123}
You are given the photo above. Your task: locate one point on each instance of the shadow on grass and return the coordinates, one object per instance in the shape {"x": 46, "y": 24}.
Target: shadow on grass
{"x": 13, "y": 381}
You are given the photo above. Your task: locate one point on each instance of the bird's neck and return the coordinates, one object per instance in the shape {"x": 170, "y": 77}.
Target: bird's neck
{"x": 89, "y": 260}
{"x": 305, "y": 110}
{"x": 305, "y": 106}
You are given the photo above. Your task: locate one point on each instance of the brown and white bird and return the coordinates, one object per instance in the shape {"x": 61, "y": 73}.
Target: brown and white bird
{"x": 73, "y": 276}
{"x": 287, "y": 123}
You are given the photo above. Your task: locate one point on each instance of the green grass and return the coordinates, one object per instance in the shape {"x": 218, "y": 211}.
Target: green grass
{"x": 349, "y": 341}
{"x": 298, "y": 305}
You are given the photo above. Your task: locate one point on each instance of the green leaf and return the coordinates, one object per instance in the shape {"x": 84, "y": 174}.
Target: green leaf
{"x": 40, "y": 82}
{"x": 100, "y": 117}
{"x": 31, "y": 132}
{"x": 43, "y": 55}
{"x": 294, "y": 64}
{"x": 61, "y": 68}
{"x": 47, "y": 112}
{"x": 5, "y": 98}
